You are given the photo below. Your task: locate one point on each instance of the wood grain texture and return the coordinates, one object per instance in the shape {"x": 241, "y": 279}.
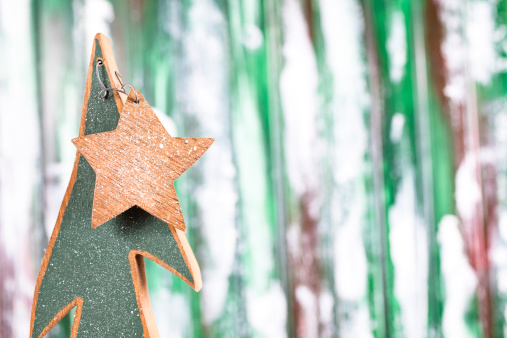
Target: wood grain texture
{"x": 137, "y": 164}
{"x": 162, "y": 254}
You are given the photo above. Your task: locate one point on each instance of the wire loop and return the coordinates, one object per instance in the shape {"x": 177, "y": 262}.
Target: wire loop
{"x": 104, "y": 91}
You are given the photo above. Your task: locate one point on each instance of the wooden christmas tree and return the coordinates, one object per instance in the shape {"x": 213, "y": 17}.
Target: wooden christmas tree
{"x": 120, "y": 206}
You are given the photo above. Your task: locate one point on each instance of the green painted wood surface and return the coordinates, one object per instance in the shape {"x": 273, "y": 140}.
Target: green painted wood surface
{"x": 94, "y": 263}
{"x": 358, "y": 173}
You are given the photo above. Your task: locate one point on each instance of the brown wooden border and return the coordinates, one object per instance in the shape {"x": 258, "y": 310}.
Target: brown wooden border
{"x": 135, "y": 257}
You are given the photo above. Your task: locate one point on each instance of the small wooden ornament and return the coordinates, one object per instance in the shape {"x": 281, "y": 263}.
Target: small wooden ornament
{"x": 122, "y": 180}
{"x": 137, "y": 163}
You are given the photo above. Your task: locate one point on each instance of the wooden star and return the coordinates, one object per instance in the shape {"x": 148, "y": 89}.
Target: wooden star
{"x": 137, "y": 163}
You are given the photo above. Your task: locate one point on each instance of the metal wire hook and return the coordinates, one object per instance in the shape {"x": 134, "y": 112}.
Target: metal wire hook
{"x": 135, "y": 91}
{"x": 103, "y": 92}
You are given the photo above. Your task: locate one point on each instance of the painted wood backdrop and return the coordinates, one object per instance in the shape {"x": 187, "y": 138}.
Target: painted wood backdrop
{"x": 357, "y": 186}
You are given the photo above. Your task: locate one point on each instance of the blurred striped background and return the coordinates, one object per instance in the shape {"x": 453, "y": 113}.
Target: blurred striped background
{"x": 357, "y": 186}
